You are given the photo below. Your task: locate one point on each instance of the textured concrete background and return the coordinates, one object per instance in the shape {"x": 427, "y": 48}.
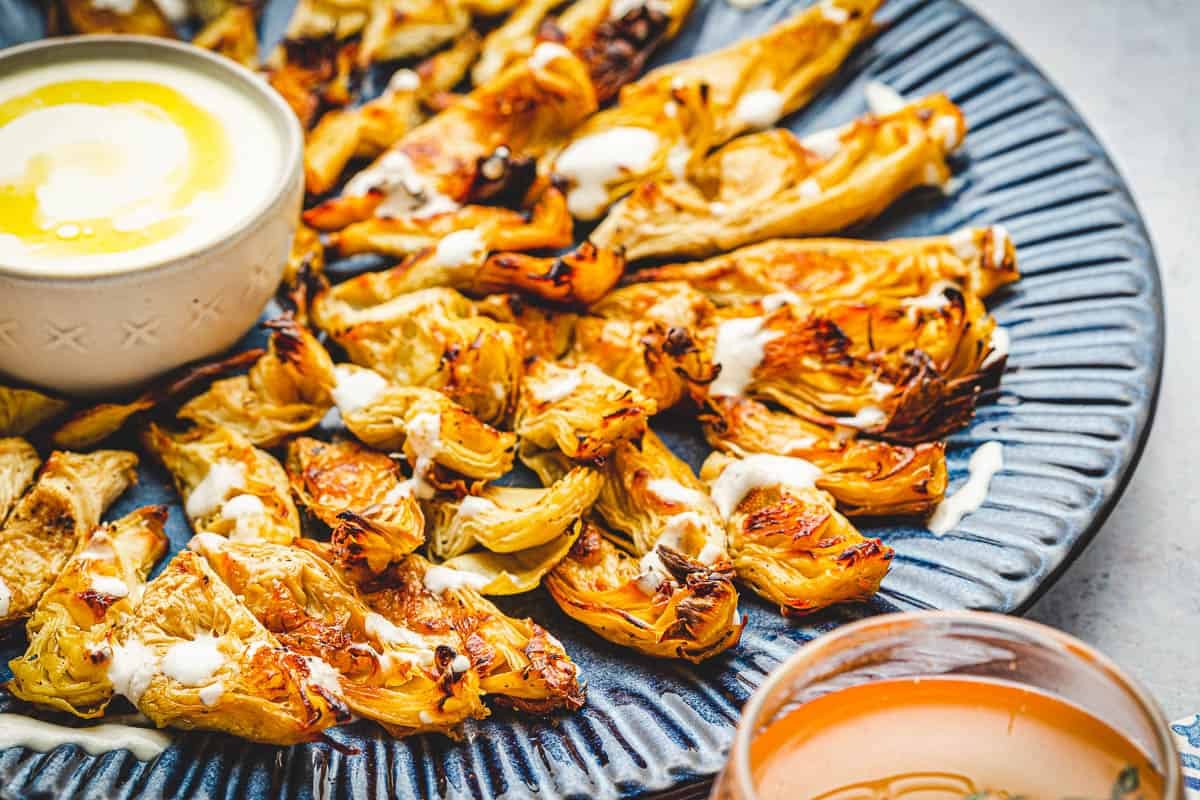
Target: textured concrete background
{"x": 1132, "y": 69}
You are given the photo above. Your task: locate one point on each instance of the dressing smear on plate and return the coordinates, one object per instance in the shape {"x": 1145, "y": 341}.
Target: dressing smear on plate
{"x": 947, "y": 738}
{"x": 113, "y": 164}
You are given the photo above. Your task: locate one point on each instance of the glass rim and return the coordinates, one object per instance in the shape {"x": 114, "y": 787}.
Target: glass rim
{"x": 812, "y": 651}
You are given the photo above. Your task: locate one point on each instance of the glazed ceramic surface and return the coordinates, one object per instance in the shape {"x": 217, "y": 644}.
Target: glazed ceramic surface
{"x": 109, "y": 332}
{"x": 1072, "y": 414}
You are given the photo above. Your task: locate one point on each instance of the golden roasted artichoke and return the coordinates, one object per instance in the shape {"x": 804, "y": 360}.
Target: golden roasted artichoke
{"x": 432, "y": 338}
{"x": 787, "y": 541}
{"x": 286, "y": 392}
{"x": 99, "y": 585}
{"x": 191, "y": 656}
{"x": 359, "y": 494}
{"x": 19, "y": 462}
{"x": 771, "y": 184}
{"x": 520, "y": 664}
{"x": 443, "y": 163}
{"x": 431, "y": 430}
{"x": 578, "y": 411}
{"x": 408, "y": 681}
{"x": 22, "y": 410}
{"x": 228, "y": 486}
{"x": 908, "y": 370}
{"x": 52, "y": 521}
{"x": 867, "y": 477}
{"x": 666, "y": 121}
{"x": 678, "y": 609}
{"x": 978, "y": 260}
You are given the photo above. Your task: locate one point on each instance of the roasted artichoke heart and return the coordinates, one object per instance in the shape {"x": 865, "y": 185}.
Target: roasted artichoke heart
{"x": 772, "y": 184}
{"x": 22, "y": 410}
{"x": 908, "y": 370}
{"x": 228, "y": 485}
{"x": 515, "y": 572}
{"x": 100, "y": 584}
{"x": 430, "y": 429}
{"x": 646, "y": 336}
{"x": 787, "y": 540}
{"x": 519, "y": 663}
{"x": 579, "y": 411}
{"x": 978, "y": 260}
{"x": 359, "y": 494}
{"x": 666, "y": 121}
{"x": 362, "y": 132}
{"x": 286, "y": 392}
{"x": 477, "y": 229}
{"x": 19, "y": 462}
{"x": 52, "y": 521}
{"x": 432, "y": 338}
{"x": 867, "y": 477}
{"x": 523, "y": 111}
{"x": 191, "y": 656}
{"x": 142, "y": 17}
{"x": 233, "y": 34}
{"x": 676, "y": 608}
{"x": 90, "y": 426}
{"x": 548, "y": 332}
{"x": 506, "y": 519}
{"x": 406, "y": 680}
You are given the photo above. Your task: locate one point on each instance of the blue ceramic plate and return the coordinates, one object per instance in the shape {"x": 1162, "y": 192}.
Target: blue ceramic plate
{"x": 1072, "y": 412}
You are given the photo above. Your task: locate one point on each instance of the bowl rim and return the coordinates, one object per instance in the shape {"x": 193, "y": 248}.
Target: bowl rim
{"x": 186, "y": 56}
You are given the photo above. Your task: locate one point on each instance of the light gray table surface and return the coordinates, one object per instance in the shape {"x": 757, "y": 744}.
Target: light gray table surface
{"x": 1132, "y": 67}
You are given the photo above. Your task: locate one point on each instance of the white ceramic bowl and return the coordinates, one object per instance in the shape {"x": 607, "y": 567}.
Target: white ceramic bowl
{"x": 106, "y": 333}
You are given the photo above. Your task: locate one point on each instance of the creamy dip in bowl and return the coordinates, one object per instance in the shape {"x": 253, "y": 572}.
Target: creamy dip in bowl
{"x": 149, "y": 191}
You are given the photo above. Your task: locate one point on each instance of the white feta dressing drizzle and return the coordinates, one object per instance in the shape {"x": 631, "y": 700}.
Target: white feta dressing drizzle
{"x": 547, "y": 52}
{"x": 460, "y": 248}
{"x": 739, "y": 351}
{"x": 401, "y": 491}
{"x": 883, "y": 99}
{"x": 19, "y": 731}
{"x": 934, "y": 299}
{"x": 110, "y": 586}
{"x": 653, "y": 573}
{"x": 1000, "y": 240}
{"x": 384, "y": 631}
{"x": 677, "y": 160}
{"x": 324, "y": 676}
{"x": 99, "y": 548}
{"x": 824, "y": 144}
{"x": 131, "y": 667}
{"x": 208, "y": 495}
{"x": 407, "y": 192}
{"x": 777, "y": 300}
{"x": 986, "y": 461}
{"x": 676, "y": 529}
{"x": 945, "y": 131}
{"x": 424, "y": 433}
{"x": 403, "y": 80}
{"x": 619, "y": 8}
{"x": 962, "y": 242}
{"x": 460, "y": 664}
{"x": 758, "y": 471}
{"x": 810, "y": 189}
{"x": 193, "y": 662}
{"x": 595, "y": 161}
{"x": 1000, "y": 344}
{"x": 438, "y": 579}
{"x": 209, "y": 695}
{"x": 355, "y": 389}
{"x": 833, "y": 12}
{"x": 760, "y": 108}
{"x": 559, "y": 388}
{"x": 5, "y": 598}
{"x": 242, "y": 506}
{"x": 176, "y": 11}
{"x": 670, "y": 491}
{"x": 866, "y": 417}
{"x": 121, "y": 7}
